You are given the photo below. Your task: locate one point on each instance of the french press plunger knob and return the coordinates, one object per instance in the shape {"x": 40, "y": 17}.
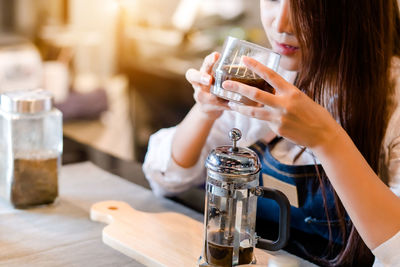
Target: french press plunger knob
{"x": 235, "y": 135}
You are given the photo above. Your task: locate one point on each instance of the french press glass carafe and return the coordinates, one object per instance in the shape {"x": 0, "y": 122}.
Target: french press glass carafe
{"x": 231, "y": 204}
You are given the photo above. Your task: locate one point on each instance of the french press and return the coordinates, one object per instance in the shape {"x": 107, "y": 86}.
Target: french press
{"x": 231, "y": 204}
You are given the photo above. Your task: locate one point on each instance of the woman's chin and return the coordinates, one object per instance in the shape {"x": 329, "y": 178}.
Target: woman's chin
{"x": 290, "y": 63}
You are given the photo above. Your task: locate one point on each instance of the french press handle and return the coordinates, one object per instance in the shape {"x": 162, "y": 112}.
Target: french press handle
{"x": 284, "y": 220}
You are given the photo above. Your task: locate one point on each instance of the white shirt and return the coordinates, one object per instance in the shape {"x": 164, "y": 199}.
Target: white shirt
{"x": 388, "y": 253}
{"x": 168, "y": 178}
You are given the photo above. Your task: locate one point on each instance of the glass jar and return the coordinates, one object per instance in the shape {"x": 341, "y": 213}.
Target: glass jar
{"x": 30, "y": 148}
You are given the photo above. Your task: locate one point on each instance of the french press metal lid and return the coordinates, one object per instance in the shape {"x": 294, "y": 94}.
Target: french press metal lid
{"x": 233, "y": 163}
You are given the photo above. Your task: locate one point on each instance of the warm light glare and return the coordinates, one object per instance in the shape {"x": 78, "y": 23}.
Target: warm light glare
{"x": 112, "y": 5}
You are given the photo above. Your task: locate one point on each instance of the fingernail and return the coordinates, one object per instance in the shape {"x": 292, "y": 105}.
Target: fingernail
{"x": 205, "y": 79}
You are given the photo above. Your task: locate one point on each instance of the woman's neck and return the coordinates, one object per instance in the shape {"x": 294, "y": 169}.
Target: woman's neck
{"x": 288, "y": 75}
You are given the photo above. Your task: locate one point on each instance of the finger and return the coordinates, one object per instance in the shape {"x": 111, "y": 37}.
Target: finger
{"x": 207, "y": 98}
{"x": 254, "y": 112}
{"x": 211, "y": 104}
{"x": 252, "y": 93}
{"x": 195, "y": 76}
{"x": 209, "y": 62}
{"x": 220, "y": 104}
{"x": 270, "y": 76}
{"x": 201, "y": 87}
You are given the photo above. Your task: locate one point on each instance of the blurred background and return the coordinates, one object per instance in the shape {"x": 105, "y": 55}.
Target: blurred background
{"x": 116, "y": 67}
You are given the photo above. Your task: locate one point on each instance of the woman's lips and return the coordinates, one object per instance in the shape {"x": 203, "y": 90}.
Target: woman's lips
{"x": 285, "y": 49}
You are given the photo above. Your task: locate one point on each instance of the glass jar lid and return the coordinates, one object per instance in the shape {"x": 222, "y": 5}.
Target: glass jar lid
{"x": 233, "y": 160}
{"x": 26, "y": 101}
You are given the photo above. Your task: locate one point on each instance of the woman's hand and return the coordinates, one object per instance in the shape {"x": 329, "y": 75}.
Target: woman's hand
{"x": 201, "y": 80}
{"x": 290, "y": 112}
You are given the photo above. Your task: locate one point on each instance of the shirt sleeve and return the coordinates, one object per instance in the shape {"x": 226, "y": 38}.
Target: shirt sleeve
{"x": 394, "y": 166}
{"x": 167, "y": 178}
{"x": 387, "y": 254}
{"x": 164, "y": 175}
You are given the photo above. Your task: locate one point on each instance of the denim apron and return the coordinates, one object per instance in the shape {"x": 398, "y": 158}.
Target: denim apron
{"x": 309, "y": 223}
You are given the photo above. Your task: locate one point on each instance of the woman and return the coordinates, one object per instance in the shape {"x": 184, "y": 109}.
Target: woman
{"x": 342, "y": 113}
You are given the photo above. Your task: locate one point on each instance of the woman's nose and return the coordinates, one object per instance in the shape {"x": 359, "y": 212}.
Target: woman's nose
{"x": 282, "y": 23}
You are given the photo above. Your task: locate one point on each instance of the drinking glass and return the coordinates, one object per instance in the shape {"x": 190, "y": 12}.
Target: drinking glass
{"x": 230, "y": 66}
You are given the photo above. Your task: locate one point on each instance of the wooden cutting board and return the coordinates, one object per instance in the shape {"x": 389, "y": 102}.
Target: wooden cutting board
{"x": 154, "y": 239}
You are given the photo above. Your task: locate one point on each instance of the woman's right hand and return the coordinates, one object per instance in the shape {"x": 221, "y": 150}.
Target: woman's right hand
{"x": 201, "y": 80}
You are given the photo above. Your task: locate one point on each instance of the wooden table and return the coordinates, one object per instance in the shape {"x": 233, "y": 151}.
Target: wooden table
{"x": 63, "y": 235}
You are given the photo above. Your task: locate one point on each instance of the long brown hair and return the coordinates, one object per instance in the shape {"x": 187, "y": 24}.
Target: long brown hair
{"x": 347, "y": 49}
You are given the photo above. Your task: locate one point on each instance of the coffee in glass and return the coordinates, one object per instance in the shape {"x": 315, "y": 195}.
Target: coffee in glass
{"x": 230, "y": 67}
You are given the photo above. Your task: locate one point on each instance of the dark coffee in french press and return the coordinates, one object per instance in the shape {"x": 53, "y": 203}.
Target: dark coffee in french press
{"x": 221, "y": 255}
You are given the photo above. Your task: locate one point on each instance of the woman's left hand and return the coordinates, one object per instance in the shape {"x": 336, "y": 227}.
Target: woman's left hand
{"x": 289, "y": 112}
